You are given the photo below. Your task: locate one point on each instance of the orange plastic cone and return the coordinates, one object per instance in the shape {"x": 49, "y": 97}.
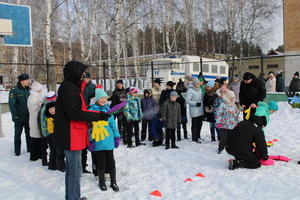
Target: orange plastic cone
{"x": 270, "y": 142}
{"x": 188, "y": 180}
{"x": 156, "y": 193}
{"x": 200, "y": 175}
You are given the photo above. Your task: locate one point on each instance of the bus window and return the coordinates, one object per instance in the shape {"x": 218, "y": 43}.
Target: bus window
{"x": 205, "y": 68}
{"x": 222, "y": 69}
{"x": 175, "y": 66}
{"x": 196, "y": 67}
{"x": 214, "y": 69}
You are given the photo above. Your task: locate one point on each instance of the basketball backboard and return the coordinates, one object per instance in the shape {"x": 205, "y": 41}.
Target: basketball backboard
{"x": 15, "y": 25}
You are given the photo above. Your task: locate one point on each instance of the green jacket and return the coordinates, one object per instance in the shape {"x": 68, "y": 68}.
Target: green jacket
{"x": 18, "y": 103}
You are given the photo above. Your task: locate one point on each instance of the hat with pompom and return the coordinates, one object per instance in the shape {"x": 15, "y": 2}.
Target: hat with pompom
{"x": 99, "y": 92}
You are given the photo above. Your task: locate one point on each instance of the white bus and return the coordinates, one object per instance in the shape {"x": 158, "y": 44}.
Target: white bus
{"x": 171, "y": 69}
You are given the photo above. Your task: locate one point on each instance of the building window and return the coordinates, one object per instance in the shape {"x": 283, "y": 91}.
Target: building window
{"x": 196, "y": 67}
{"x": 214, "y": 69}
{"x": 272, "y": 66}
{"x": 205, "y": 68}
{"x": 253, "y": 67}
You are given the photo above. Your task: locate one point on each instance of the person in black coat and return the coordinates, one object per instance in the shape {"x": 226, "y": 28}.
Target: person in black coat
{"x": 295, "y": 83}
{"x": 280, "y": 82}
{"x": 17, "y": 101}
{"x": 119, "y": 95}
{"x": 240, "y": 144}
{"x": 165, "y": 94}
{"x": 180, "y": 86}
{"x": 184, "y": 121}
{"x": 252, "y": 90}
{"x": 71, "y": 124}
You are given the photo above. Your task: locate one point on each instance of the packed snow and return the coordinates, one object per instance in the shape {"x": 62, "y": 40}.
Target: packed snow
{"x": 144, "y": 169}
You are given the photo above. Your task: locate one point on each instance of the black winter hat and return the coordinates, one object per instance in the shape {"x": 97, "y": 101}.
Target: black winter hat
{"x": 23, "y": 77}
{"x": 296, "y": 74}
{"x": 120, "y": 81}
{"x": 49, "y": 105}
{"x": 157, "y": 80}
{"x": 171, "y": 83}
{"x": 146, "y": 91}
{"x": 247, "y": 76}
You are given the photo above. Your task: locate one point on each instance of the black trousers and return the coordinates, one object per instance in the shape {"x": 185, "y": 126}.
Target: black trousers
{"x": 84, "y": 153}
{"x": 106, "y": 161}
{"x": 170, "y": 135}
{"x": 247, "y": 159}
{"x": 122, "y": 126}
{"x": 17, "y": 138}
{"x": 52, "y": 156}
{"x": 60, "y": 159}
{"x": 223, "y": 138}
{"x": 35, "y": 148}
{"x": 196, "y": 128}
{"x": 145, "y": 124}
{"x": 183, "y": 124}
{"x": 133, "y": 126}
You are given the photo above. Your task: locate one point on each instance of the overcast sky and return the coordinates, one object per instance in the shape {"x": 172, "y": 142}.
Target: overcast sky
{"x": 275, "y": 37}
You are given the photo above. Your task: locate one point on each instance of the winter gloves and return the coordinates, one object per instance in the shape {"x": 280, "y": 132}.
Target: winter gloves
{"x": 117, "y": 142}
{"x": 99, "y": 132}
{"x": 247, "y": 111}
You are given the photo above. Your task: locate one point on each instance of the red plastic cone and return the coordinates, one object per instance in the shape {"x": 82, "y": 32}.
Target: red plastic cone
{"x": 200, "y": 175}
{"x": 275, "y": 140}
{"x": 188, "y": 180}
{"x": 156, "y": 193}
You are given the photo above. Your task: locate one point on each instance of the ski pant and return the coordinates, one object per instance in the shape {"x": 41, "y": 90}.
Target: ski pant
{"x": 106, "y": 162}
{"x": 122, "y": 126}
{"x": 84, "y": 158}
{"x": 52, "y": 156}
{"x": 247, "y": 159}
{"x": 35, "y": 148}
{"x": 223, "y": 138}
{"x": 145, "y": 124}
{"x": 183, "y": 124}
{"x": 17, "y": 138}
{"x": 60, "y": 159}
{"x": 170, "y": 135}
{"x": 214, "y": 129}
{"x": 133, "y": 126}
{"x": 196, "y": 128}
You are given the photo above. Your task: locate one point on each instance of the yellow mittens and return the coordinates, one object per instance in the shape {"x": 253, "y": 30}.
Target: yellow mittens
{"x": 99, "y": 132}
{"x": 247, "y": 111}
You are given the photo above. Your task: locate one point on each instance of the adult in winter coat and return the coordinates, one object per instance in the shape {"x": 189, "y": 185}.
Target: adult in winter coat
{"x": 280, "y": 87}
{"x": 18, "y": 107}
{"x": 34, "y": 104}
{"x": 171, "y": 116}
{"x": 240, "y": 144}
{"x": 71, "y": 124}
{"x": 88, "y": 94}
{"x": 149, "y": 109}
{"x": 165, "y": 94}
{"x": 194, "y": 98}
{"x": 103, "y": 147}
{"x": 119, "y": 95}
{"x": 235, "y": 87}
{"x": 180, "y": 86}
{"x": 208, "y": 103}
{"x": 295, "y": 83}
{"x": 156, "y": 90}
{"x": 184, "y": 121}
{"x": 271, "y": 82}
{"x": 252, "y": 91}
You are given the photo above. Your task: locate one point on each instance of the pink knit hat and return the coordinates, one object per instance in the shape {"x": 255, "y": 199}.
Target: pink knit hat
{"x": 133, "y": 90}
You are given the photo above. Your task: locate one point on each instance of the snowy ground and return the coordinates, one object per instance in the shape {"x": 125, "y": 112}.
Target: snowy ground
{"x": 145, "y": 169}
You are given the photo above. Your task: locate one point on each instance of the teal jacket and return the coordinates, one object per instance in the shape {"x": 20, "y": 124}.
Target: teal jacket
{"x": 17, "y": 100}
{"x": 133, "y": 109}
{"x": 263, "y": 110}
{"x": 109, "y": 142}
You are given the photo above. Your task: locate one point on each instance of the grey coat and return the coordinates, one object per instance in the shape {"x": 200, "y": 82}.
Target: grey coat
{"x": 171, "y": 114}
{"x": 193, "y": 97}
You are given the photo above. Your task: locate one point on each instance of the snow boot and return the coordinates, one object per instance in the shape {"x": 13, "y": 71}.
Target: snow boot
{"x": 83, "y": 198}
{"x": 102, "y": 186}
{"x": 213, "y": 138}
{"x": 85, "y": 171}
{"x": 233, "y": 164}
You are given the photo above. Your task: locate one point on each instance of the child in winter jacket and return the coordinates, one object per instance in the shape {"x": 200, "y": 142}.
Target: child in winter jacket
{"x": 104, "y": 137}
{"x": 183, "y": 123}
{"x": 208, "y": 102}
{"x": 54, "y": 159}
{"x": 133, "y": 114}
{"x": 227, "y": 117}
{"x": 171, "y": 116}
{"x": 148, "y": 105}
